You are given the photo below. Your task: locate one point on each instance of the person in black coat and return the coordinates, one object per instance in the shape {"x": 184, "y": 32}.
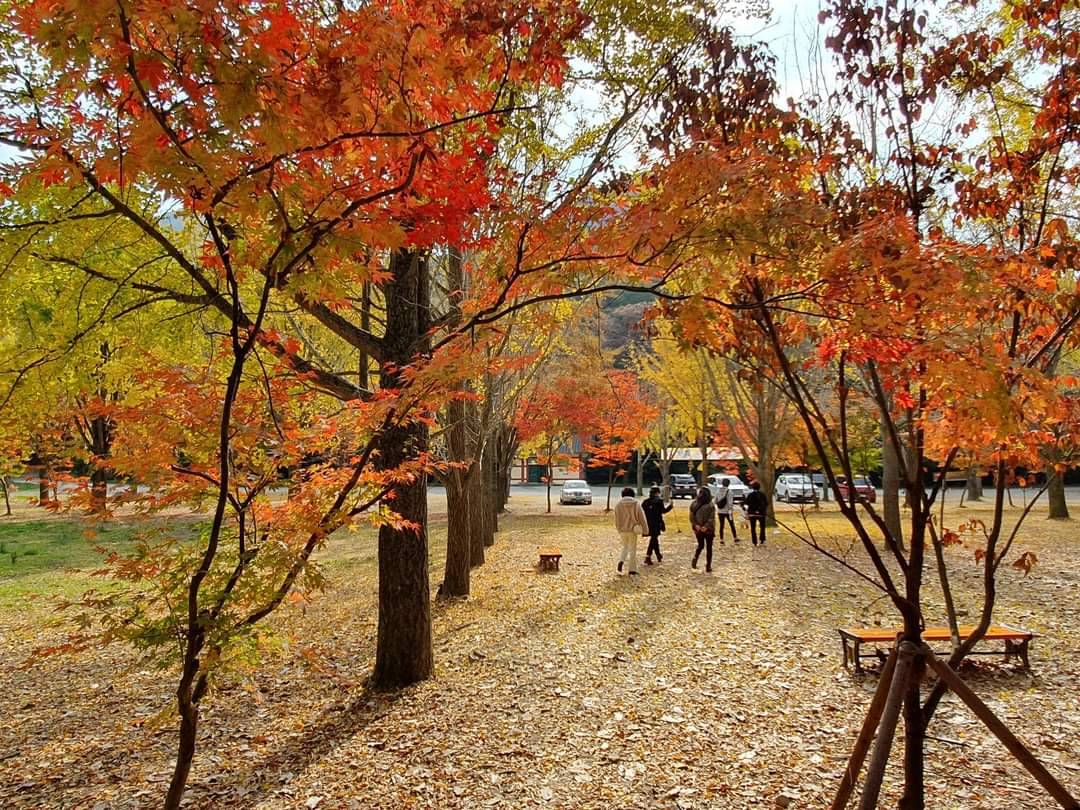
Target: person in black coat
{"x": 655, "y": 509}
{"x": 757, "y": 508}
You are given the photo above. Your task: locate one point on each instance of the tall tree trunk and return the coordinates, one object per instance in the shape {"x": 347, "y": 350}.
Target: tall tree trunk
{"x": 189, "y": 723}
{"x": 640, "y": 473}
{"x": 489, "y": 498}
{"x": 1055, "y": 494}
{"x": 474, "y": 484}
{"x": 665, "y": 477}
{"x": 458, "y": 530}
{"x": 403, "y": 653}
{"x": 458, "y": 537}
{"x": 890, "y": 486}
{"x": 767, "y": 478}
{"x": 974, "y": 484}
{"x": 4, "y": 485}
{"x": 703, "y": 446}
{"x": 550, "y": 475}
{"x": 610, "y": 483}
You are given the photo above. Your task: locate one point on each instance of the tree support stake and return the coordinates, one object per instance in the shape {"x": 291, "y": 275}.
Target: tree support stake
{"x": 1022, "y": 754}
{"x": 866, "y": 735}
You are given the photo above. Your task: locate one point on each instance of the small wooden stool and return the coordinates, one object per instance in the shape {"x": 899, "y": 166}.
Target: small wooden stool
{"x": 549, "y": 558}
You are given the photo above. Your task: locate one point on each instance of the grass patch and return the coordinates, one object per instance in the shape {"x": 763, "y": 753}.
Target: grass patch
{"x": 54, "y": 558}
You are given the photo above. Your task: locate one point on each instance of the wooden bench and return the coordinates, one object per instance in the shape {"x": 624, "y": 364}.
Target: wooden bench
{"x": 1016, "y": 641}
{"x": 549, "y": 558}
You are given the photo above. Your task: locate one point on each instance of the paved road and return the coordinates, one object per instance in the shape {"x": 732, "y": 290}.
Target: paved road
{"x": 533, "y": 498}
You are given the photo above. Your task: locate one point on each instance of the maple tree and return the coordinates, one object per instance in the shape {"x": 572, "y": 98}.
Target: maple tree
{"x": 546, "y": 423}
{"x": 294, "y": 192}
{"x": 617, "y": 422}
{"x": 966, "y": 370}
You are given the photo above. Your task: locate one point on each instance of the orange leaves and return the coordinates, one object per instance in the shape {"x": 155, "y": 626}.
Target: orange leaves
{"x": 1025, "y": 562}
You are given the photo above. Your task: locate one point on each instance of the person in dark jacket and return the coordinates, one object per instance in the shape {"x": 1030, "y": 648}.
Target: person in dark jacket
{"x": 655, "y": 509}
{"x": 703, "y": 520}
{"x": 757, "y": 507}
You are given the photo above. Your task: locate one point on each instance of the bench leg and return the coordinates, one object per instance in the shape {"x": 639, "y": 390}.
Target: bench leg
{"x": 1019, "y": 649}
{"x": 851, "y": 655}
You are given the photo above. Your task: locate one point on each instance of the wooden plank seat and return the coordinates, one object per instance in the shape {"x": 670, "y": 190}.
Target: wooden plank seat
{"x": 1016, "y": 641}
{"x": 549, "y": 558}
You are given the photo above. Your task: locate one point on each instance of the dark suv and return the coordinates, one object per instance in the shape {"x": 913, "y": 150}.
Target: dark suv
{"x": 683, "y": 486}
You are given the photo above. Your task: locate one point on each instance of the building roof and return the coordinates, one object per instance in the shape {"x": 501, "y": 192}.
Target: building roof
{"x": 715, "y": 454}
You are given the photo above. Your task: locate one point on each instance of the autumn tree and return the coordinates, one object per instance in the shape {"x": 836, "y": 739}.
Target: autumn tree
{"x": 328, "y": 181}
{"x": 617, "y": 423}
{"x": 872, "y": 301}
{"x": 551, "y": 418}
{"x": 1022, "y": 184}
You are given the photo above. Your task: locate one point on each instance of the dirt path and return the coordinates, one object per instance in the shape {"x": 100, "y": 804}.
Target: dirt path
{"x": 580, "y": 689}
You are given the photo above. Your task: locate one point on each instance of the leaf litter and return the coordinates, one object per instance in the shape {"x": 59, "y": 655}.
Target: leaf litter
{"x": 582, "y": 689}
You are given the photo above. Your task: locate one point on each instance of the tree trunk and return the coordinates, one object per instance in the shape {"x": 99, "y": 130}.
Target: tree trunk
{"x": 974, "y": 484}
{"x": 7, "y": 495}
{"x": 640, "y": 474}
{"x": 488, "y": 496}
{"x": 1055, "y": 494}
{"x": 914, "y": 796}
{"x": 767, "y": 479}
{"x": 403, "y": 653}
{"x": 474, "y": 484}
{"x": 504, "y": 458}
{"x": 44, "y": 498}
{"x": 101, "y": 445}
{"x": 99, "y": 490}
{"x": 458, "y": 537}
{"x": 890, "y": 486}
{"x": 551, "y": 473}
{"x": 703, "y": 474}
{"x": 610, "y": 483}
{"x": 185, "y": 753}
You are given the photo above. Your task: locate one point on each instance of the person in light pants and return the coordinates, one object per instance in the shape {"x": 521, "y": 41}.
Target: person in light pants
{"x": 630, "y": 523}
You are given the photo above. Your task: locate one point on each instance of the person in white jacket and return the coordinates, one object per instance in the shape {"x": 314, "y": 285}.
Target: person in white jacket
{"x": 725, "y": 501}
{"x": 630, "y": 523}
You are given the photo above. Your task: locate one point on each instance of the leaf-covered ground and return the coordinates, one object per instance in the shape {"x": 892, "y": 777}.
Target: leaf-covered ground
{"x": 579, "y": 689}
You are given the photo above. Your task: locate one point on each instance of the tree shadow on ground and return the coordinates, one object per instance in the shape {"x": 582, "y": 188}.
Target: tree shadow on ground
{"x": 271, "y": 773}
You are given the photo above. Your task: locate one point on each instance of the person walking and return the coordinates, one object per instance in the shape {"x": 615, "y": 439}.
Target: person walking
{"x": 703, "y": 521}
{"x": 655, "y": 509}
{"x": 757, "y": 507}
{"x": 725, "y": 502}
{"x": 630, "y": 523}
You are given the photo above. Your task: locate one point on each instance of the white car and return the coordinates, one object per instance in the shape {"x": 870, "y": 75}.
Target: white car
{"x": 736, "y": 487}
{"x": 575, "y": 492}
{"x": 794, "y": 487}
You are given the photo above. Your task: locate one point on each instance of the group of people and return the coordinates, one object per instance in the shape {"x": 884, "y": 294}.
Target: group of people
{"x": 633, "y": 519}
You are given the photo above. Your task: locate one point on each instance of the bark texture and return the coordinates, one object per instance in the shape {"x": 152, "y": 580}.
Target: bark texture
{"x": 404, "y": 651}
{"x": 1055, "y": 494}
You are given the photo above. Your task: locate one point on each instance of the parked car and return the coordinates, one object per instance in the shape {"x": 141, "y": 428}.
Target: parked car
{"x": 864, "y": 490}
{"x": 792, "y": 487}
{"x": 683, "y": 486}
{"x": 735, "y": 485}
{"x": 575, "y": 492}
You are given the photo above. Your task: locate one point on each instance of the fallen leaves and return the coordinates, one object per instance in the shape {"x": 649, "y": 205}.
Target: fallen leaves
{"x": 675, "y": 689}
